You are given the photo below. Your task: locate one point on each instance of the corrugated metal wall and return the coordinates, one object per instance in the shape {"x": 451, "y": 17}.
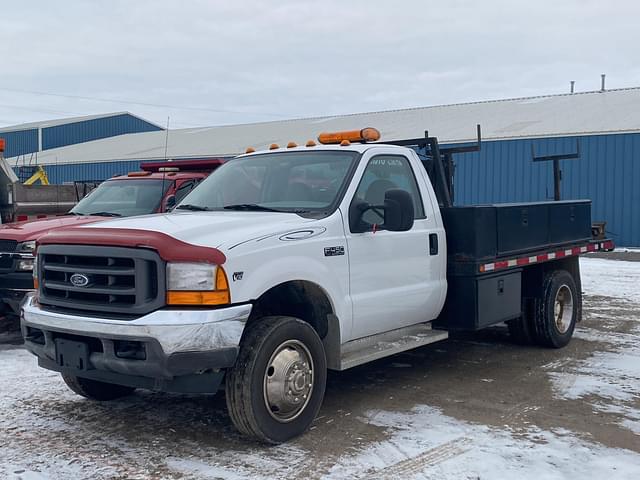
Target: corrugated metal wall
{"x": 20, "y": 142}
{"x": 608, "y": 172}
{"x": 23, "y": 142}
{"x": 84, "y": 131}
{"x": 89, "y": 171}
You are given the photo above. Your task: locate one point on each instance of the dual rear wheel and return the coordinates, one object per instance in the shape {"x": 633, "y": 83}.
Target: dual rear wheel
{"x": 550, "y": 319}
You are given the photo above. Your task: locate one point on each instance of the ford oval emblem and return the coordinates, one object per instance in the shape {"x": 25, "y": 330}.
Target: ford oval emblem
{"x": 79, "y": 280}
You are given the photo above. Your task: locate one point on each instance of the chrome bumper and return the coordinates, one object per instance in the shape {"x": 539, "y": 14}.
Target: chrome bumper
{"x": 175, "y": 330}
{"x": 169, "y": 350}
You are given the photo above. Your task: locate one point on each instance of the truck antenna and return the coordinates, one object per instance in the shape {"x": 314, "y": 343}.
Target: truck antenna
{"x": 164, "y": 170}
{"x": 166, "y": 140}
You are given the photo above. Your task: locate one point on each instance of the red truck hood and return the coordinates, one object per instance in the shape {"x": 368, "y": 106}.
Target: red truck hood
{"x": 34, "y": 229}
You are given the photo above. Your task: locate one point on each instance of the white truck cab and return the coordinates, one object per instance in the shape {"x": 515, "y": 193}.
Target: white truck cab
{"x": 278, "y": 266}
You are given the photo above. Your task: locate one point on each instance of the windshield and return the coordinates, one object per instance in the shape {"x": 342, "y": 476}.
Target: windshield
{"x": 298, "y": 182}
{"x": 123, "y": 198}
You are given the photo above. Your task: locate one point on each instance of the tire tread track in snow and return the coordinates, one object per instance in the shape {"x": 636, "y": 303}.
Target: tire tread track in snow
{"x": 423, "y": 461}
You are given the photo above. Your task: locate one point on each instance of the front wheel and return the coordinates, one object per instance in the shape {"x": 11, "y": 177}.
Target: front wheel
{"x": 94, "y": 389}
{"x": 276, "y": 388}
{"x": 557, "y": 311}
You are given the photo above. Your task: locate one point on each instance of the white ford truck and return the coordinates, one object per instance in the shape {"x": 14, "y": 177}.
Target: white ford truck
{"x": 287, "y": 262}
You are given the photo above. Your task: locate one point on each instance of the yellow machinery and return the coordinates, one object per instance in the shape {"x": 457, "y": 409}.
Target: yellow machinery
{"x": 39, "y": 174}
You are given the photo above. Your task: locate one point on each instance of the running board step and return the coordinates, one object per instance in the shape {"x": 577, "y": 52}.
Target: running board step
{"x": 367, "y": 349}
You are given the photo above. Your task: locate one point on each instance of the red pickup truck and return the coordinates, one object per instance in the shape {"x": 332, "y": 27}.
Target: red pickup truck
{"x": 158, "y": 187}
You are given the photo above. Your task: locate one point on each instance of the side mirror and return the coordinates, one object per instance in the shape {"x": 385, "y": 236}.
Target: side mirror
{"x": 169, "y": 203}
{"x": 398, "y": 212}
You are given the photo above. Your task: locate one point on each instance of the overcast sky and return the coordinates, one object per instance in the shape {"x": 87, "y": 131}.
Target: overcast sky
{"x": 221, "y": 62}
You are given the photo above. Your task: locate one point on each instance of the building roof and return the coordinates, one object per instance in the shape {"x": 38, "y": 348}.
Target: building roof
{"x": 588, "y": 113}
{"x": 64, "y": 121}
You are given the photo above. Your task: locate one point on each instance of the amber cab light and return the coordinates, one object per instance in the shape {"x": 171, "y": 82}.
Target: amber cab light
{"x": 365, "y": 135}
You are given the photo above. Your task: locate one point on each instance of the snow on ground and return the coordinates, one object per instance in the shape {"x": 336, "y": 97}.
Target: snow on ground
{"x": 425, "y": 444}
{"x": 611, "y": 278}
{"x": 610, "y": 378}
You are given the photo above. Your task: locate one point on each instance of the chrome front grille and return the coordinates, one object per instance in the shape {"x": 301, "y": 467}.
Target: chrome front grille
{"x": 103, "y": 279}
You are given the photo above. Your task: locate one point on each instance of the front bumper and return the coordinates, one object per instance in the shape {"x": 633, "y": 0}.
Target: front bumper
{"x": 169, "y": 350}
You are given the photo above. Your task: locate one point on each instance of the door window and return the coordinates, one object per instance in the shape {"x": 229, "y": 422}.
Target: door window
{"x": 185, "y": 188}
{"x": 387, "y": 172}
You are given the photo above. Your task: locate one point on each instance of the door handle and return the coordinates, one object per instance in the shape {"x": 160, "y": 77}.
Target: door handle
{"x": 433, "y": 244}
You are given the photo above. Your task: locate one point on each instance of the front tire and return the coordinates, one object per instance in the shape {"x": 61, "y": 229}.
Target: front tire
{"x": 95, "y": 390}
{"x": 557, "y": 311}
{"x": 276, "y": 388}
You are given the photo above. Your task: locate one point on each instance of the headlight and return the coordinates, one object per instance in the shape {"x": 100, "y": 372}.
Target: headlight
{"x": 26, "y": 265}
{"x": 197, "y": 284}
{"x": 26, "y": 247}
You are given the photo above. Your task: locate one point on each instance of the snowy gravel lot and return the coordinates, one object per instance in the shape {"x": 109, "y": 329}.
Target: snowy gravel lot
{"x": 472, "y": 407}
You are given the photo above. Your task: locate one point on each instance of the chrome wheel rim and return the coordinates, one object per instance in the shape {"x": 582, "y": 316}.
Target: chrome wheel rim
{"x": 563, "y": 309}
{"x": 288, "y": 381}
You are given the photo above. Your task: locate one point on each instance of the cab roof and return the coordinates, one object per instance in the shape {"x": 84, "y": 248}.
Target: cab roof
{"x": 353, "y": 147}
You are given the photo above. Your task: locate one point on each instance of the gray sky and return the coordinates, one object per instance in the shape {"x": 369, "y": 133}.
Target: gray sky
{"x": 220, "y": 62}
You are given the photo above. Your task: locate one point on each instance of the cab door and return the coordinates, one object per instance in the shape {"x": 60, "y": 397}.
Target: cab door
{"x": 395, "y": 278}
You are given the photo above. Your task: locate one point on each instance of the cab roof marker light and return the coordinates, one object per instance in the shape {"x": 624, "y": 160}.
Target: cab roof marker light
{"x": 368, "y": 134}
{"x": 138, "y": 174}
{"x": 310, "y": 143}
{"x": 274, "y": 146}
{"x": 292, "y": 145}
{"x": 250, "y": 150}
{"x": 345, "y": 143}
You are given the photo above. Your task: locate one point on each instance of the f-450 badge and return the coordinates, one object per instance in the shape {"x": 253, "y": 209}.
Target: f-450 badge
{"x": 333, "y": 251}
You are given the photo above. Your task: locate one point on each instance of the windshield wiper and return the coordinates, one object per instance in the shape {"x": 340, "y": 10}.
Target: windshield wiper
{"x": 251, "y": 207}
{"x": 104, "y": 214}
{"x": 194, "y": 208}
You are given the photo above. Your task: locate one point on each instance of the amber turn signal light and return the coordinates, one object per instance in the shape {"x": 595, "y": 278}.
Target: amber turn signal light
{"x": 197, "y": 298}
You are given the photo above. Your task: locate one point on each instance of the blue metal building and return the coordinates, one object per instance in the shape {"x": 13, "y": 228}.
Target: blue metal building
{"x": 34, "y": 137}
{"x": 606, "y": 124}
{"x": 607, "y": 172}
